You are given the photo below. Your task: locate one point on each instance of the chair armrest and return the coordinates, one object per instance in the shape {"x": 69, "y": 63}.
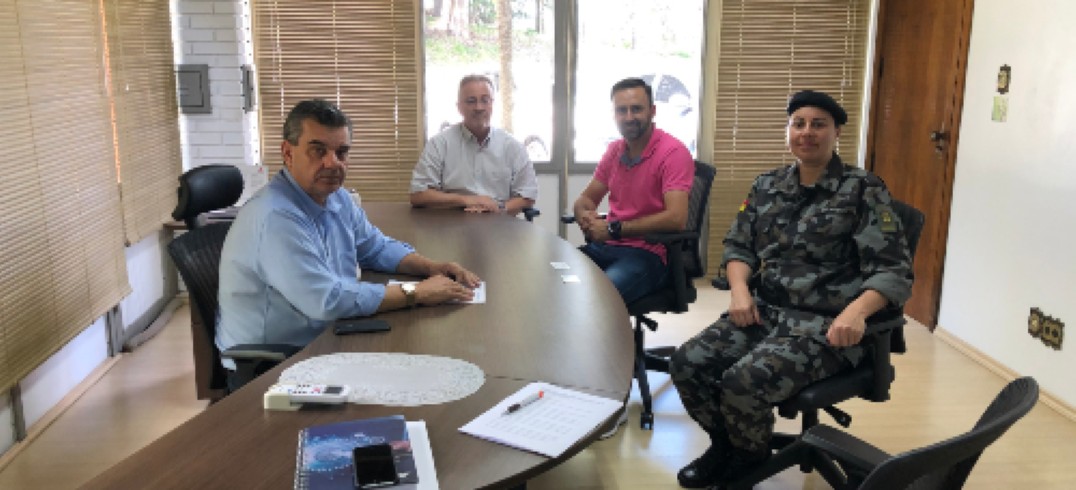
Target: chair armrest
{"x": 670, "y": 237}
{"x": 849, "y": 450}
{"x": 531, "y": 213}
{"x": 876, "y": 327}
{"x": 260, "y": 352}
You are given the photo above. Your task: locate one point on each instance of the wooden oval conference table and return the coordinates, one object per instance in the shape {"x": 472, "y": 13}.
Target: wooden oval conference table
{"x": 533, "y": 327}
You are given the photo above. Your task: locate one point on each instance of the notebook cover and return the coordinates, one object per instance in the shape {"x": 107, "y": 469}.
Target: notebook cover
{"x": 323, "y": 459}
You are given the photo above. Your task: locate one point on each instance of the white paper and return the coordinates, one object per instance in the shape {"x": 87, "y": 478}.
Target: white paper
{"x": 420, "y": 448}
{"x": 548, "y": 426}
{"x": 569, "y": 278}
{"x": 561, "y": 266}
{"x": 479, "y": 292}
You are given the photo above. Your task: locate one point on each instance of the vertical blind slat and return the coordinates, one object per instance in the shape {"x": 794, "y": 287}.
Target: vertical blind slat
{"x": 771, "y": 49}
{"x": 61, "y": 202}
{"x": 361, "y": 55}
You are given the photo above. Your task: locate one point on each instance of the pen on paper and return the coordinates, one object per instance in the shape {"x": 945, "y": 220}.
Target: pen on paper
{"x": 524, "y": 402}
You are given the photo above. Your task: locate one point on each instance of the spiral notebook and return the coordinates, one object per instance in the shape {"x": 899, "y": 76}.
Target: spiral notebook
{"x": 323, "y": 459}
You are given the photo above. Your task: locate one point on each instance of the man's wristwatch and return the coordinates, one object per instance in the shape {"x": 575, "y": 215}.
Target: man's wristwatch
{"x": 614, "y": 229}
{"x": 409, "y": 293}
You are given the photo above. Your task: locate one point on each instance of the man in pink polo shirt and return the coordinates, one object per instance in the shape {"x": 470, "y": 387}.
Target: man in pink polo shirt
{"x": 648, "y": 177}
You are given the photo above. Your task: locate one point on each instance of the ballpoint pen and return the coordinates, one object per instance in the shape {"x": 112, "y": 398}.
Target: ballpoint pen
{"x": 524, "y": 402}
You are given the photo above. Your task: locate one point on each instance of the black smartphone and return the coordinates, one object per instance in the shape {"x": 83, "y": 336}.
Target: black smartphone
{"x": 346, "y": 326}
{"x": 374, "y": 466}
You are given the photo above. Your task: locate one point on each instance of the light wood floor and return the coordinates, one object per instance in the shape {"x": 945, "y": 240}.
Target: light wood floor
{"x": 938, "y": 393}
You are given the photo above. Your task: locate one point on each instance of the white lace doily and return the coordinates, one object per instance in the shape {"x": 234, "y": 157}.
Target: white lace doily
{"x": 390, "y": 378}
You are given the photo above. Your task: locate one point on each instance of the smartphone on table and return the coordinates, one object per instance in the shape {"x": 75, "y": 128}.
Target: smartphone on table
{"x": 345, "y": 326}
{"x": 374, "y": 467}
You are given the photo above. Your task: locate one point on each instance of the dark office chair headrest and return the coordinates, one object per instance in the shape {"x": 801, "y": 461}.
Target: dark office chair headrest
{"x": 207, "y": 188}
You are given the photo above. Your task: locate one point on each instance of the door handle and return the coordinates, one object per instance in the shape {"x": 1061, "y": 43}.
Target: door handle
{"x": 938, "y": 136}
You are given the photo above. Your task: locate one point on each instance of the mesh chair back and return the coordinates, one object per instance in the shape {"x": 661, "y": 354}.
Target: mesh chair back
{"x": 947, "y": 464}
{"x": 197, "y": 257}
{"x": 698, "y": 204}
{"x": 207, "y": 188}
{"x": 911, "y": 220}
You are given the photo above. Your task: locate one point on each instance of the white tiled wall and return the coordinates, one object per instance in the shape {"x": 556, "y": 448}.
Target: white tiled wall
{"x": 218, "y": 33}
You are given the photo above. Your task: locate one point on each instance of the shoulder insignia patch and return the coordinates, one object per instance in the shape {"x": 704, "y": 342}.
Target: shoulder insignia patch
{"x": 886, "y": 222}
{"x": 743, "y": 206}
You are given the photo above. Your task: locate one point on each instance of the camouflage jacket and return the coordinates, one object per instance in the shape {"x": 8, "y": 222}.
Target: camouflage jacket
{"x": 814, "y": 249}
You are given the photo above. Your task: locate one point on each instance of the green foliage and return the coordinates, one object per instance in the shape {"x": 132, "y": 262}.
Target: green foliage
{"x": 482, "y": 47}
{"x": 444, "y": 48}
{"x": 483, "y": 12}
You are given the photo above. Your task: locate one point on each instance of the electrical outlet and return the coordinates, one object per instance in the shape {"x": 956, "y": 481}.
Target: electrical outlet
{"x": 1053, "y": 332}
{"x": 1050, "y": 330}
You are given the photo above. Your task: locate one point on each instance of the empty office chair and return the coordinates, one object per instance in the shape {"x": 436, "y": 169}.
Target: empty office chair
{"x": 942, "y": 466}
{"x": 870, "y": 380}
{"x": 196, "y": 254}
{"x": 685, "y": 264}
{"x": 531, "y": 213}
{"x": 206, "y": 188}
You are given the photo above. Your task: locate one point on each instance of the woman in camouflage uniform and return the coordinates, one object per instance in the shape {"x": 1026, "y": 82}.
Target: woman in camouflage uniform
{"x": 813, "y": 252}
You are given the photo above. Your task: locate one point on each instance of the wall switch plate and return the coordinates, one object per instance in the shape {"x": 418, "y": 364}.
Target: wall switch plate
{"x": 1034, "y": 322}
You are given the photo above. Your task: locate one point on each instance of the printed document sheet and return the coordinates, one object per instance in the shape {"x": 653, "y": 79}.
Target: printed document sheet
{"x": 549, "y": 426}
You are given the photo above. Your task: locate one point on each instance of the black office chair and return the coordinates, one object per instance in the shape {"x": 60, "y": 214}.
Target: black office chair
{"x": 530, "y": 213}
{"x": 684, "y": 265}
{"x": 196, "y": 254}
{"x": 870, "y": 380}
{"x": 943, "y": 466}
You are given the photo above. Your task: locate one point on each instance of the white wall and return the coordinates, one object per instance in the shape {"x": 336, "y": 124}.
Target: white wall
{"x": 154, "y": 278}
{"x": 1012, "y": 234}
{"x": 218, "y": 33}
{"x": 51, "y": 381}
{"x": 213, "y": 32}
{"x": 57, "y": 376}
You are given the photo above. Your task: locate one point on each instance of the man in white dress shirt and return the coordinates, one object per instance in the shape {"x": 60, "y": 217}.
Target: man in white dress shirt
{"x": 472, "y": 165}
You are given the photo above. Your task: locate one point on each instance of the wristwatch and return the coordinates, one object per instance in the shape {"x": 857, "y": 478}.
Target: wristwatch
{"x": 409, "y": 293}
{"x": 614, "y": 229}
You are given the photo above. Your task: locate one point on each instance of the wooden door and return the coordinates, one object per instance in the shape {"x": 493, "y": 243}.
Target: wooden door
{"x": 921, "y": 57}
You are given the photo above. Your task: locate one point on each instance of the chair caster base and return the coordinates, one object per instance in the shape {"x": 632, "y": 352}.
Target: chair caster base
{"x": 646, "y": 421}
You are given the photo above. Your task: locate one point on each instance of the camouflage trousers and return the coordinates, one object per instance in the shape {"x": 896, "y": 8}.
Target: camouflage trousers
{"x": 729, "y": 377}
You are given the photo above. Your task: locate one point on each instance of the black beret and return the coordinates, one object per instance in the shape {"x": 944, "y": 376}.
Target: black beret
{"x": 819, "y": 100}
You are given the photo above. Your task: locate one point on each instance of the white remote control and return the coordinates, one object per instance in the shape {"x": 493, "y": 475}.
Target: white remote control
{"x": 306, "y": 393}
{"x": 292, "y": 396}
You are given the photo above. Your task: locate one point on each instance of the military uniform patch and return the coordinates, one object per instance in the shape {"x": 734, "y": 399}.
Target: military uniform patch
{"x": 886, "y": 222}
{"x": 743, "y": 206}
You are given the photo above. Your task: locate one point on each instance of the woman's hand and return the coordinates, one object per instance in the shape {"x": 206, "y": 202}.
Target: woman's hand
{"x": 847, "y": 329}
{"x": 742, "y": 308}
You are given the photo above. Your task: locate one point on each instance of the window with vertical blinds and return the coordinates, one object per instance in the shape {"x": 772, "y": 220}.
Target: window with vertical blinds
{"x": 769, "y": 50}
{"x": 61, "y": 256}
{"x": 362, "y": 55}
{"x": 144, "y": 110}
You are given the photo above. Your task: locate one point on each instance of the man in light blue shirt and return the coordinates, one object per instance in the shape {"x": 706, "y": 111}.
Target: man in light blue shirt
{"x": 472, "y": 165}
{"x": 289, "y": 264}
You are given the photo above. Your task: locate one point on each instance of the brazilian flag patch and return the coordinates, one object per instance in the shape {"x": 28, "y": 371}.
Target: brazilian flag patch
{"x": 886, "y": 222}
